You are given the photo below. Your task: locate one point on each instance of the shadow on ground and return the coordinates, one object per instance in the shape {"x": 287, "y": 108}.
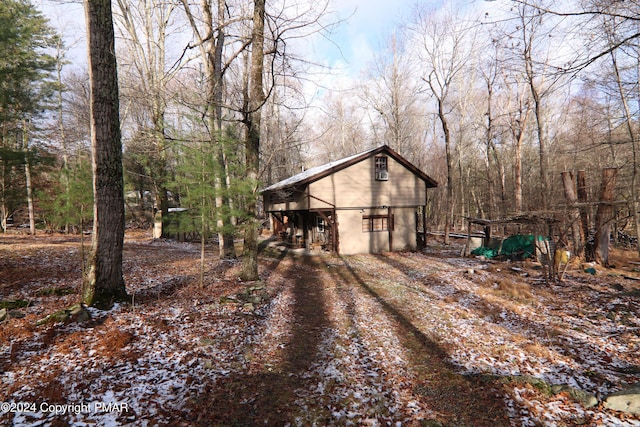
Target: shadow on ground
{"x": 461, "y": 400}
{"x": 267, "y": 397}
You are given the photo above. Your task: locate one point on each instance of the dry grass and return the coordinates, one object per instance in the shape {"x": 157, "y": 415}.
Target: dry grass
{"x": 514, "y": 289}
{"x": 538, "y": 349}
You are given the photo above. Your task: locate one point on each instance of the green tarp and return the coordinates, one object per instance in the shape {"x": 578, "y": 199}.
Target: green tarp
{"x": 485, "y": 252}
{"x": 519, "y": 246}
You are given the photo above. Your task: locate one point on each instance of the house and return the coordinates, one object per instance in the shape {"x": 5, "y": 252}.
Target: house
{"x": 371, "y": 202}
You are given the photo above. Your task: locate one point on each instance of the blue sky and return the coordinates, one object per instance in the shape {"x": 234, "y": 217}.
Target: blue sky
{"x": 367, "y": 26}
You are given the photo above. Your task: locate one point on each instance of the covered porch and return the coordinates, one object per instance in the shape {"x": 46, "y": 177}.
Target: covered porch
{"x": 313, "y": 230}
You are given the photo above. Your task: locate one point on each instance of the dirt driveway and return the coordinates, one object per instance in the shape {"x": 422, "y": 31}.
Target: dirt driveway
{"x": 393, "y": 339}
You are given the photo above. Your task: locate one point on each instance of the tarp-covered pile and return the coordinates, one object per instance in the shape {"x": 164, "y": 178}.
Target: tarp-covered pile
{"x": 519, "y": 246}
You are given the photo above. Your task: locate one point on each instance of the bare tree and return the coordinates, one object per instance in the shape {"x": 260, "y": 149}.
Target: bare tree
{"x": 530, "y": 25}
{"x": 210, "y": 32}
{"x": 392, "y": 93}
{"x": 630, "y": 125}
{"x": 516, "y": 111}
{"x": 340, "y": 128}
{"x": 586, "y": 19}
{"x": 446, "y": 47}
{"x": 145, "y": 26}
{"x": 604, "y": 30}
{"x": 490, "y": 70}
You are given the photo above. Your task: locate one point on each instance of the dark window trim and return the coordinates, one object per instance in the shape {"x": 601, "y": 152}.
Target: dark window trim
{"x": 381, "y": 168}
{"x": 369, "y": 223}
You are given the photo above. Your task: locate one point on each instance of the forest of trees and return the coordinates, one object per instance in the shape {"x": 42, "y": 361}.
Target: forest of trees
{"x": 499, "y": 101}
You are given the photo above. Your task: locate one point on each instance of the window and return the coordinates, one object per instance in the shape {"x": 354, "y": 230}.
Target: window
{"x": 382, "y": 173}
{"x": 320, "y": 224}
{"x": 371, "y": 223}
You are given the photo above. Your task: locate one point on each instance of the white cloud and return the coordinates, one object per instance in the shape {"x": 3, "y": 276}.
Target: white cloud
{"x": 367, "y": 24}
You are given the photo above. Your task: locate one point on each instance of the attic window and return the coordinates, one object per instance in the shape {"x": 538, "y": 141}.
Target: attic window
{"x": 382, "y": 173}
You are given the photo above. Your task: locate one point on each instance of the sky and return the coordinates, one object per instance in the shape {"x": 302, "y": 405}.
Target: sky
{"x": 68, "y": 20}
{"x": 366, "y": 26}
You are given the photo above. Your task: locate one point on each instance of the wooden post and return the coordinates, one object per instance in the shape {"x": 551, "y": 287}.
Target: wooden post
{"x": 467, "y": 249}
{"x": 424, "y": 213}
{"x": 487, "y": 235}
{"x": 604, "y": 216}
{"x": 390, "y": 227}
{"x": 334, "y": 231}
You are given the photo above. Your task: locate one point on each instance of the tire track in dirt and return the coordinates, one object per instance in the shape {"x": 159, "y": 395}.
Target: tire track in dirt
{"x": 457, "y": 399}
{"x": 267, "y": 392}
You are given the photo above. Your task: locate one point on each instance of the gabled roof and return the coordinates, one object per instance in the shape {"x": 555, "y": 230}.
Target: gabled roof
{"x": 319, "y": 172}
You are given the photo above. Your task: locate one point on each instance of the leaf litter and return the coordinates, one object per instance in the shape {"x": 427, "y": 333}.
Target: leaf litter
{"x": 389, "y": 339}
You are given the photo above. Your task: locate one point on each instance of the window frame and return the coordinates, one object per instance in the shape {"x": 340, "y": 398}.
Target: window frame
{"x": 381, "y": 166}
{"x": 377, "y": 223}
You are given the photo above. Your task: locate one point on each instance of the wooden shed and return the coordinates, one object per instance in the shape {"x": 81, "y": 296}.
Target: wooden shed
{"x": 371, "y": 202}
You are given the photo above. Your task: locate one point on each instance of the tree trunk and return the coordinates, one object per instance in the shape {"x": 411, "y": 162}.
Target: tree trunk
{"x": 252, "y": 144}
{"x": 534, "y": 81}
{"x": 489, "y": 142}
{"x": 542, "y": 147}
{"x": 573, "y": 213}
{"x": 632, "y": 139}
{"x": 64, "y": 177}
{"x": 449, "y": 159}
{"x": 518, "y": 132}
{"x": 605, "y": 215}
{"x": 27, "y": 177}
{"x": 583, "y": 199}
{"x": 223, "y": 201}
{"x": 4, "y": 211}
{"x": 635, "y": 202}
{"x": 103, "y": 283}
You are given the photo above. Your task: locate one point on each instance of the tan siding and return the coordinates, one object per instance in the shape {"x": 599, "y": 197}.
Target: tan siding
{"x": 353, "y": 240}
{"x": 354, "y": 193}
{"x": 404, "y": 234}
{"x": 356, "y": 186}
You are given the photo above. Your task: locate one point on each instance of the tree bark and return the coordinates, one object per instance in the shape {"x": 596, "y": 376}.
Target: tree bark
{"x": 222, "y": 200}
{"x": 449, "y": 159}
{"x": 252, "y": 143}
{"x": 27, "y": 177}
{"x": 573, "y": 213}
{"x": 632, "y": 137}
{"x": 4, "y": 211}
{"x": 518, "y": 132}
{"x": 583, "y": 198}
{"x": 103, "y": 283}
{"x": 604, "y": 215}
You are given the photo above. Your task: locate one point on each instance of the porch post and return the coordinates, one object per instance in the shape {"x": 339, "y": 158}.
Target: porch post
{"x": 334, "y": 232}
{"x": 390, "y": 227}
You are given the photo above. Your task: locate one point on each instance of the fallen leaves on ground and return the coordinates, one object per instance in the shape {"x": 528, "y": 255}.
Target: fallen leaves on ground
{"x": 391, "y": 339}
